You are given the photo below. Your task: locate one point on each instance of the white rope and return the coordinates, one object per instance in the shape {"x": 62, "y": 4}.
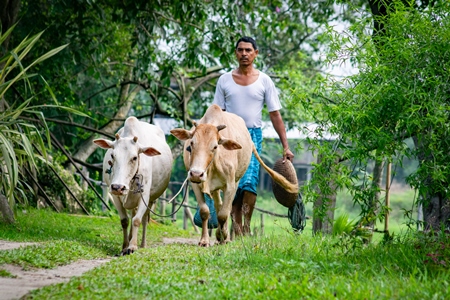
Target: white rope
{"x": 182, "y": 186}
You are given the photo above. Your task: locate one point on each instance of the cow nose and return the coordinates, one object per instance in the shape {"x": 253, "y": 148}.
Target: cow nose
{"x": 196, "y": 176}
{"x": 117, "y": 187}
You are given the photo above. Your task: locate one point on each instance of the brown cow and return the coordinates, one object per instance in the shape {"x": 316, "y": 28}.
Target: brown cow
{"x": 217, "y": 161}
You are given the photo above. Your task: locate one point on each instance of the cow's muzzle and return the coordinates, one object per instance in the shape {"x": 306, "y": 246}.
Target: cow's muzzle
{"x": 119, "y": 189}
{"x": 196, "y": 176}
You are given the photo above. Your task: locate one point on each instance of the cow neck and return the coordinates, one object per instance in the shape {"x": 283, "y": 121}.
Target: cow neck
{"x": 138, "y": 178}
{"x": 138, "y": 165}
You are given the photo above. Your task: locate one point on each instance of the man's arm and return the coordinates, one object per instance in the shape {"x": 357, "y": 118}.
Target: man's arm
{"x": 278, "y": 124}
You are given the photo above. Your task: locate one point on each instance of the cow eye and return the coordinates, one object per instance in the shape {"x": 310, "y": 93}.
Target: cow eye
{"x": 215, "y": 147}
{"x": 112, "y": 156}
{"x": 135, "y": 158}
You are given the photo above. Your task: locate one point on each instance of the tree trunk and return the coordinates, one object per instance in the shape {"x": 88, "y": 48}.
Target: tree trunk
{"x": 376, "y": 185}
{"x": 324, "y": 224}
{"x": 7, "y": 213}
{"x": 9, "y": 10}
{"x": 436, "y": 207}
{"x": 323, "y": 221}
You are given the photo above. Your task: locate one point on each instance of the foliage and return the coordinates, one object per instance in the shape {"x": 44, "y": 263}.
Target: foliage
{"x": 165, "y": 50}
{"x": 21, "y": 141}
{"x": 281, "y": 266}
{"x": 401, "y": 91}
{"x": 342, "y": 225}
{"x": 166, "y": 53}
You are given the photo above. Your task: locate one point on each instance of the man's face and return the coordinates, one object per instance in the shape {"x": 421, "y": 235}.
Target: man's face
{"x": 245, "y": 53}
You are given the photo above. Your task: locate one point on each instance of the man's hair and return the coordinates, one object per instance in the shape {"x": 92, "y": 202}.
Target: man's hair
{"x": 247, "y": 39}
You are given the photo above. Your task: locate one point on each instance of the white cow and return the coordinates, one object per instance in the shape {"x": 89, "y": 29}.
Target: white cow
{"x": 137, "y": 168}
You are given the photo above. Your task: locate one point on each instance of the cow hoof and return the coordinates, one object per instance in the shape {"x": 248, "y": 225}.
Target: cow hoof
{"x": 127, "y": 251}
{"x": 223, "y": 242}
{"x": 204, "y": 244}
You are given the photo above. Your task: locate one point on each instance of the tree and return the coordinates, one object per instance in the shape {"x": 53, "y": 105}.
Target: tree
{"x": 400, "y": 92}
{"x": 151, "y": 57}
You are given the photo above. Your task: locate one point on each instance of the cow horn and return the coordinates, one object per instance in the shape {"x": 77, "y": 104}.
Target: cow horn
{"x": 117, "y": 136}
{"x": 135, "y": 139}
{"x": 220, "y": 127}
{"x": 195, "y": 123}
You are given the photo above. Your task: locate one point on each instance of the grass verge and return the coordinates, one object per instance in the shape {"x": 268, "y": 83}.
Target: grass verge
{"x": 272, "y": 266}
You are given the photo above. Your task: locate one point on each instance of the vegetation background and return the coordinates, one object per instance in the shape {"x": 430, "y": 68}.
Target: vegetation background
{"x": 74, "y": 70}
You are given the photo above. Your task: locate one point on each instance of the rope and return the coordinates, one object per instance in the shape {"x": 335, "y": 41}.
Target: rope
{"x": 140, "y": 190}
{"x": 182, "y": 186}
{"x": 297, "y": 215}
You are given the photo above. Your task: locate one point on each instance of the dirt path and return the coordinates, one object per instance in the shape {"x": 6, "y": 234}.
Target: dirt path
{"x": 25, "y": 281}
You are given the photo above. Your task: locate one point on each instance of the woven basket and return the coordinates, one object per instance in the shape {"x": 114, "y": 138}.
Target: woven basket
{"x": 288, "y": 171}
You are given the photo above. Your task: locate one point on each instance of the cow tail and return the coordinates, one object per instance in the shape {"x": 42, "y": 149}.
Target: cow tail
{"x": 280, "y": 179}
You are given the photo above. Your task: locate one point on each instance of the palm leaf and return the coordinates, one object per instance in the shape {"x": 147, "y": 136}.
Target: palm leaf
{"x": 8, "y": 164}
{"x": 26, "y": 48}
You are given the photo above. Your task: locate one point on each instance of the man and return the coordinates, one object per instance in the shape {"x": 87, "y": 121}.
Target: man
{"x": 244, "y": 91}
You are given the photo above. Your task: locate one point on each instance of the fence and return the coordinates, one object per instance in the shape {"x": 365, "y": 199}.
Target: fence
{"x": 188, "y": 217}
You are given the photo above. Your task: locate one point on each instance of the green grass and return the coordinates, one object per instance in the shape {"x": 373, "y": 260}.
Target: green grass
{"x": 401, "y": 199}
{"x": 4, "y": 273}
{"x": 66, "y": 238}
{"x": 279, "y": 265}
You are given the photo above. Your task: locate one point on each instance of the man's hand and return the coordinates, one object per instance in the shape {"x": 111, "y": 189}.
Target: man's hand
{"x": 287, "y": 154}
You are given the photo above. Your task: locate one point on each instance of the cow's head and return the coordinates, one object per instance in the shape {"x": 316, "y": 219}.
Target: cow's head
{"x": 124, "y": 161}
{"x": 202, "y": 145}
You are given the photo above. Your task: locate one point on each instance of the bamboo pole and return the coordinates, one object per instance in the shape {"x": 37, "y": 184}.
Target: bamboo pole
{"x": 162, "y": 204}
{"x": 262, "y": 224}
{"x": 387, "y": 203}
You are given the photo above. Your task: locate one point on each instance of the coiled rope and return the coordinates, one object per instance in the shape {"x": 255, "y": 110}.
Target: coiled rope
{"x": 297, "y": 215}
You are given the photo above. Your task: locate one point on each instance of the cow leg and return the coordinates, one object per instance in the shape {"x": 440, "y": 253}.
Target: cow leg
{"x": 136, "y": 222}
{"x": 133, "y": 213}
{"x": 144, "y": 228}
{"x": 124, "y": 220}
{"x": 248, "y": 204}
{"x": 217, "y": 200}
{"x": 222, "y": 234}
{"x": 204, "y": 214}
{"x": 218, "y": 206}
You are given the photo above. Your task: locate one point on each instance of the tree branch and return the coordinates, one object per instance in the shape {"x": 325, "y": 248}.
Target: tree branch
{"x": 70, "y": 124}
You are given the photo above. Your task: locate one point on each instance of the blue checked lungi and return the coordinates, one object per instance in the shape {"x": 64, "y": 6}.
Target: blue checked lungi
{"x": 249, "y": 182}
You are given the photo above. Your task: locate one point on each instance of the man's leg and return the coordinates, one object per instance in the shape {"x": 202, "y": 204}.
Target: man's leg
{"x": 249, "y": 182}
{"x": 248, "y": 204}
{"x": 236, "y": 215}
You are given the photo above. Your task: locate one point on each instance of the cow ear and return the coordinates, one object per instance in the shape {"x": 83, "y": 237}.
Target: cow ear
{"x": 220, "y": 127}
{"x": 181, "y": 134}
{"x": 229, "y": 144}
{"x": 102, "y": 143}
{"x": 149, "y": 151}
